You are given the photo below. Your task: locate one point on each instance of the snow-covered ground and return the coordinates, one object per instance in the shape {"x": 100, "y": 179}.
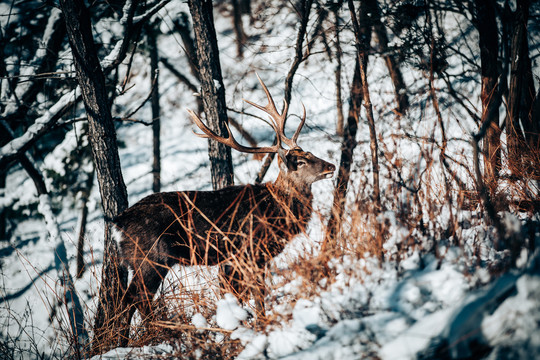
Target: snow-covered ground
{"x": 437, "y": 299}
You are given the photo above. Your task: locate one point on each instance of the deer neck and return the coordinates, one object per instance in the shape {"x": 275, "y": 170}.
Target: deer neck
{"x": 293, "y": 190}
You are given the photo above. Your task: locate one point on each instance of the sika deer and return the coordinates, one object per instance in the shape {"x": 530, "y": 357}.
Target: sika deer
{"x": 235, "y": 227}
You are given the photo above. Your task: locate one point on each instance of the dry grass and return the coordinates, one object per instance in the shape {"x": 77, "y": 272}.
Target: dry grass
{"x": 419, "y": 214}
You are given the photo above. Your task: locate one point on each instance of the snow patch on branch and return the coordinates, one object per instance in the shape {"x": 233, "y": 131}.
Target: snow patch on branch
{"x": 15, "y": 145}
{"x": 45, "y": 209}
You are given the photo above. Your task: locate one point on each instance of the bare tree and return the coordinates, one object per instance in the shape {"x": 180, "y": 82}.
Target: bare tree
{"x": 347, "y": 149}
{"x": 363, "y": 36}
{"x": 519, "y": 54}
{"x": 238, "y": 26}
{"x": 486, "y": 24}
{"x": 212, "y": 90}
{"x": 339, "y": 55}
{"x": 390, "y": 59}
{"x": 156, "y": 109}
{"x": 102, "y": 136}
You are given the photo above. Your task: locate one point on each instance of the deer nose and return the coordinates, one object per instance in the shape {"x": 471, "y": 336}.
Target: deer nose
{"x": 328, "y": 171}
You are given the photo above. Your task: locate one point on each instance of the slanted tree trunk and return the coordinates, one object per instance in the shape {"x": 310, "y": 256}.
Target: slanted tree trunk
{"x": 396, "y": 76}
{"x": 85, "y": 196}
{"x": 344, "y": 172}
{"x": 102, "y": 135}
{"x": 304, "y": 9}
{"x": 4, "y": 139}
{"x": 212, "y": 90}
{"x": 238, "y": 26}
{"x": 70, "y": 298}
{"x": 182, "y": 26}
{"x": 156, "y": 110}
{"x": 490, "y": 94}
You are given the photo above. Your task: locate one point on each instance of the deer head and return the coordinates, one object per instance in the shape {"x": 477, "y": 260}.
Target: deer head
{"x": 298, "y": 168}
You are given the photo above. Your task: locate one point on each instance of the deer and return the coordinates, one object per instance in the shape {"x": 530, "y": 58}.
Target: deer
{"x": 235, "y": 227}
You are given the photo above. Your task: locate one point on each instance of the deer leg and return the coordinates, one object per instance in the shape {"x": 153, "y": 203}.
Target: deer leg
{"x": 143, "y": 287}
{"x": 231, "y": 280}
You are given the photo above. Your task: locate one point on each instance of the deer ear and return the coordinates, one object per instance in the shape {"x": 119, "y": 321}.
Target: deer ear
{"x": 287, "y": 162}
{"x": 282, "y": 161}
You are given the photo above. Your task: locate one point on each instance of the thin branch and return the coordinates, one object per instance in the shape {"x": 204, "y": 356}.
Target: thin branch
{"x": 298, "y": 58}
{"x": 179, "y": 75}
{"x": 40, "y": 127}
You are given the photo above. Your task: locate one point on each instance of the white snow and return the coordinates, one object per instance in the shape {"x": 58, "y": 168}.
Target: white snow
{"x": 229, "y": 314}
{"x": 199, "y": 321}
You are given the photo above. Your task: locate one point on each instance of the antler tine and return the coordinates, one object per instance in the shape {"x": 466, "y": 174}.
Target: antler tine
{"x": 270, "y": 108}
{"x": 300, "y": 126}
{"x": 230, "y": 140}
{"x": 279, "y": 120}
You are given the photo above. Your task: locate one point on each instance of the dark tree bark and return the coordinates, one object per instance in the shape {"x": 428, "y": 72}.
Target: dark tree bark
{"x": 102, "y": 135}
{"x": 4, "y": 139}
{"x": 213, "y": 91}
{"x": 305, "y": 10}
{"x": 156, "y": 110}
{"x": 363, "y": 38}
{"x": 531, "y": 124}
{"x": 3, "y": 224}
{"x": 519, "y": 54}
{"x": 490, "y": 95}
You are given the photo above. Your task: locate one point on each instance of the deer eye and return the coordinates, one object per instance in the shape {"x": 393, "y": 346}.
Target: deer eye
{"x": 300, "y": 163}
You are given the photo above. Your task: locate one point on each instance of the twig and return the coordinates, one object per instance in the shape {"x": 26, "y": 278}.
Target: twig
{"x": 175, "y": 326}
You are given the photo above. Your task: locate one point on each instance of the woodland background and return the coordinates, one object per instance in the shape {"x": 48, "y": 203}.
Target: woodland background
{"x": 430, "y": 108}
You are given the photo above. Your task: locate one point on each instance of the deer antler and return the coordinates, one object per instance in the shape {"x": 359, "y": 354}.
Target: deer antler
{"x": 230, "y": 140}
{"x": 278, "y": 120}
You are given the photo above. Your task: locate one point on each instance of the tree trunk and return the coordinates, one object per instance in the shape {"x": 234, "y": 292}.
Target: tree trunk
{"x": 344, "y": 172}
{"x": 363, "y": 39}
{"x": 305, "y": 10}
{"x": 4, "y": 139}
{"x": 102, "y": 135}
{"x": 213, "y": 91}
{"x": 70, "y": 298}
{"x": 490, "y": 95}
{"x": 182, "y": 26}
{"x": 515, "y": 138}
{"x": 339, "y": 54}
{"x": 238, "y": 29}
{"x": 156, "y": 110}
